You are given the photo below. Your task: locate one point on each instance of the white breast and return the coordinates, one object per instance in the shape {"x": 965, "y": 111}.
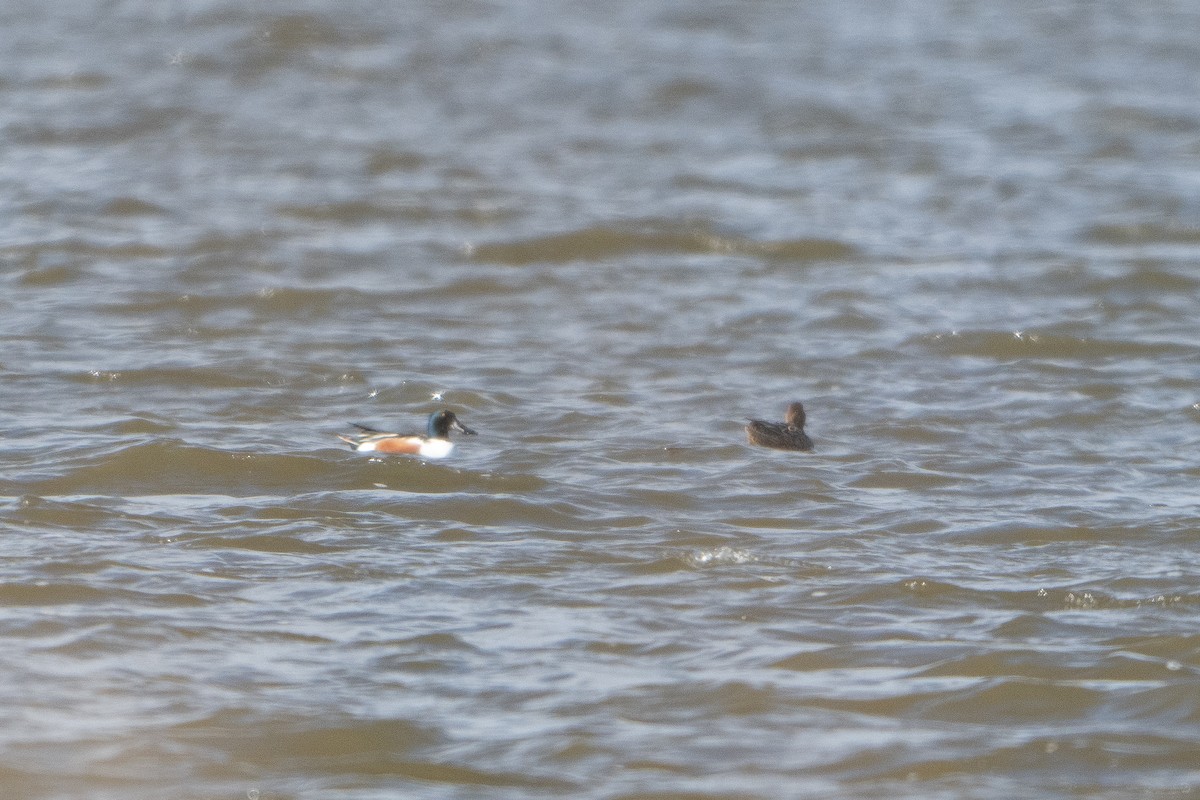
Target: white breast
{"x": 436, "y": 448}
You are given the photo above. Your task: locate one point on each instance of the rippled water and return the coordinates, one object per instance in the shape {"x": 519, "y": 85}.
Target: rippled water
{"x": 965, "y": 234}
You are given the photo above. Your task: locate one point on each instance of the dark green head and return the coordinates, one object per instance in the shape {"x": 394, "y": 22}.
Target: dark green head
{"x": 442, "y": 422}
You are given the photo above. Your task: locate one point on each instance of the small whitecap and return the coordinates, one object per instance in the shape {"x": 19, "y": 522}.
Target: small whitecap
{"x": 720, "y": 555}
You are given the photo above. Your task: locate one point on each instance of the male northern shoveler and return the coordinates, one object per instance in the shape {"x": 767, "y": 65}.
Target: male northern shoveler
{"x": 434, "y": 444}
{"x": 786, "y": 435}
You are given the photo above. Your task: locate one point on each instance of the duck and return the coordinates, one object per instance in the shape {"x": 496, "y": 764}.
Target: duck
{"x": 435, "y": 443}
{"x": 786, "y": 435}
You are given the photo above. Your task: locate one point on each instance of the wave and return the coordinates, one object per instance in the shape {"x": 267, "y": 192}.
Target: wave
{"x": 171, "y": 466}
{"x": 604, "y": 242}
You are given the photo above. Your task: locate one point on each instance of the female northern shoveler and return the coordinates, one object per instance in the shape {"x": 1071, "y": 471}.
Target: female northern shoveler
{"x": 786, "y": 435}
{"x": 435, "y": 444}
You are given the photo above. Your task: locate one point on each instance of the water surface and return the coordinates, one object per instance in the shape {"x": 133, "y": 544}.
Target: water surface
{"x": 964, "y": 234}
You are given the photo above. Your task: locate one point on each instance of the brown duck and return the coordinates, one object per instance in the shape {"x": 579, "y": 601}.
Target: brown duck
{"x": 786, "y": 435}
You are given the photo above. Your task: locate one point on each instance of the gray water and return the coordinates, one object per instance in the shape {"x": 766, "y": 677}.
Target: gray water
{"x": 965, "y": 234}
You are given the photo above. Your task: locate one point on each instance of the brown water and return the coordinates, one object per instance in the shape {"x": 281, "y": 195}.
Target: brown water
{"x": 965, "y": 234}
